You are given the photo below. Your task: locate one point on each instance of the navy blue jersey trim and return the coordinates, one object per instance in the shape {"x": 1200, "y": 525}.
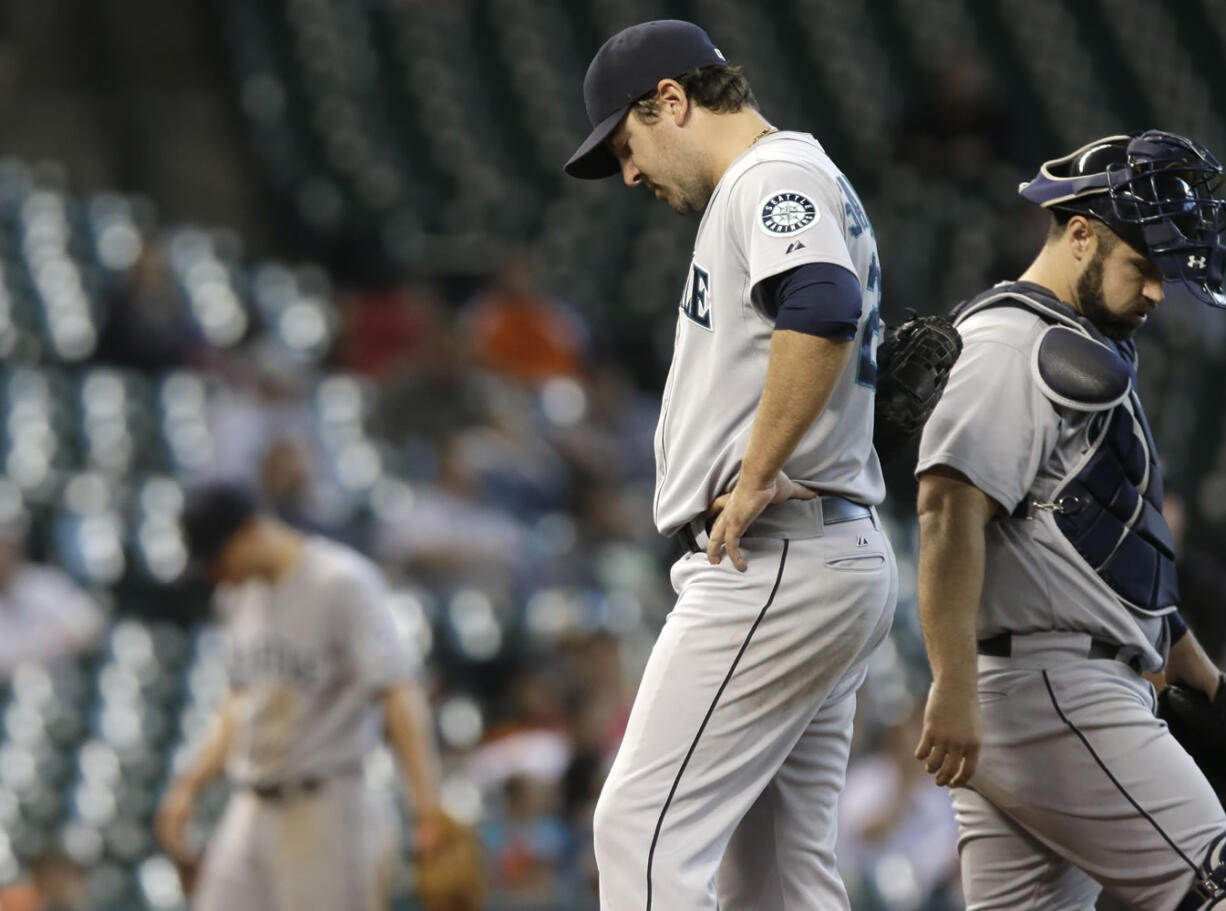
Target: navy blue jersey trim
{"x": 783, "y": 557}
{"x": 1115, "y": 781}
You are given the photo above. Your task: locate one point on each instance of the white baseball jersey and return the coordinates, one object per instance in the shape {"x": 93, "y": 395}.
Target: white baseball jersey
{"x": 781, "y": 204}
{"x": 995, "y": 425}
{"x": 308, "y": 657}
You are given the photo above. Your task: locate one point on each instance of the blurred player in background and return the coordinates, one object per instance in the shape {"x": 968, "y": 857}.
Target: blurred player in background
{"x": 317, "y": 671}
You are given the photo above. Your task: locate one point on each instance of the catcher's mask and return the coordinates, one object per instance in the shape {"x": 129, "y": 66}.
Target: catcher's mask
{"x": 1156, "y": 190}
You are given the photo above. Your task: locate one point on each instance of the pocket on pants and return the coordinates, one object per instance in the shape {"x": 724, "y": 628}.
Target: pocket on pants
{"x": 857, "y": 563}
{"x": 989, "y": 696}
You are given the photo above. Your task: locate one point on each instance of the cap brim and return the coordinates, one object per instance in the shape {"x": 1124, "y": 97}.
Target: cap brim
{"x": 593, "y": 160}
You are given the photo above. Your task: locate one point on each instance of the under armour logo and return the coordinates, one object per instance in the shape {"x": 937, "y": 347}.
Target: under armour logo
{"x": 793, "y": 246}
{"x": 861, "y": 541}
{"x": 1194, "y": 262}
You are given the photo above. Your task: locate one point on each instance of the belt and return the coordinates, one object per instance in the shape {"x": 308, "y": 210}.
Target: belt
{"x": 1001, "y": 646}
{"x": 789, "y": 519}
{"x": 285, "y": 789}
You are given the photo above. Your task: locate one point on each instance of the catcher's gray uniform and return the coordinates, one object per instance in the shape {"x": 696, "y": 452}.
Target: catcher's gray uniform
{"x": 1077, "y": 784}
{"x": 309, "y": 657}
{"x": 737, "y": 743}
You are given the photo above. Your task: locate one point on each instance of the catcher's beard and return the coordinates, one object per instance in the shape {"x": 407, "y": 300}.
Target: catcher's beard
{"x": 1090, "y": 300}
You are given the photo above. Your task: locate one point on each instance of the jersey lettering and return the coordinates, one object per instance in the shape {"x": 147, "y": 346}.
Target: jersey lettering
{"x": 858, "y": 221}
{"x": 274, "y": 658}
{"x": 696, "y": 301}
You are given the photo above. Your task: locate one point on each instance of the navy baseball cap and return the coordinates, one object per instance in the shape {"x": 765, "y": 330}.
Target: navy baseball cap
{"x": 212, "y": 514}
{"x": 627, "y": 67}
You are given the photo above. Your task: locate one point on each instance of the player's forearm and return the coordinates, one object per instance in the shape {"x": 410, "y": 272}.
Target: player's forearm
{"x": 1188, "y": 665}
{"x": 950, "y": 583}
{"x": 802, "y": 373}
{"x": 411, "y": 737}
{"x": 210, "y": 762}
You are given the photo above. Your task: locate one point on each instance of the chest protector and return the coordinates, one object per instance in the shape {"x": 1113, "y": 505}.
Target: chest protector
{"x": 1109, "y": 505}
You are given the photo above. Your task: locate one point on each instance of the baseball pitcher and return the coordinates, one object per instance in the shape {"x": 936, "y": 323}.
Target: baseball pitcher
{"x": 723, "y": 791}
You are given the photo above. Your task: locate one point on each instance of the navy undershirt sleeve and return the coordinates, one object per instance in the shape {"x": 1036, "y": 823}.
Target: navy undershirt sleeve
{"x": 1178, "y": 626}
{"x": 817, "y": 299}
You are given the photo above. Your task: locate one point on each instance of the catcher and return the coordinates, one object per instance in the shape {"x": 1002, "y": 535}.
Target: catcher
{"x": 1047, "y": 581}
{"x": 316, "y": 668}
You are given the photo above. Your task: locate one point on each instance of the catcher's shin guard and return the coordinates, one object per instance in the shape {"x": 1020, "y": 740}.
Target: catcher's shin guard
{"x": 1209, "y": 888}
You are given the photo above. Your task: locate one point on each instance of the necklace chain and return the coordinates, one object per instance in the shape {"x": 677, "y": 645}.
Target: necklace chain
{"x": 765, "y": 132}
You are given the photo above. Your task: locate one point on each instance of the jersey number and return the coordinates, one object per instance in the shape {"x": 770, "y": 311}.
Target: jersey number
{"x": 857, "y": 221}
{"x": 858, "y": 225}
{"x": 867, "y": 374}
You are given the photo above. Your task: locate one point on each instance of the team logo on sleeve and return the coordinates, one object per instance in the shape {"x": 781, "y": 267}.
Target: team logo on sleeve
{"x": 787, "y": 212}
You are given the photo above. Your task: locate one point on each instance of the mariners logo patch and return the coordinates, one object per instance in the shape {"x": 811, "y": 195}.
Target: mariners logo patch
{"x": 787, "y": 213}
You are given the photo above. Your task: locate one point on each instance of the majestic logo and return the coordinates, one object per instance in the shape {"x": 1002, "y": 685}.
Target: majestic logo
{"x": 1197, "y": 262}
{"x": 787, "y": 213}
{"x": 696, "y": 301}
{"x": 794, "y": 246}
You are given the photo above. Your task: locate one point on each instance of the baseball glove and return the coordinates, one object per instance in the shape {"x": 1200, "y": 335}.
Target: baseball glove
{"x": 450, "y": 875}
{"x": 1200, "y": 727}
{"x": 913, "y": 365}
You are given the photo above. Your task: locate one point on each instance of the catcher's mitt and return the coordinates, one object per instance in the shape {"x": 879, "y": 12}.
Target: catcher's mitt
{"x": 913, "y": 365}
{"x": 1200, "y": 727}
{"x": 450, "y": 875}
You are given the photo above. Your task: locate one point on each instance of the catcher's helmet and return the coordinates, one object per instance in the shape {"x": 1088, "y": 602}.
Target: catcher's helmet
{"x": 1156, "y": 191}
